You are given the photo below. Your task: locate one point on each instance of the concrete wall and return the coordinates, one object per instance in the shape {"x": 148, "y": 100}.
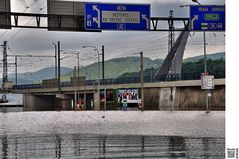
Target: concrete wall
{"x": 193, "y": 98}
{"x": 218, "y": 98}
{"x": 159, "y": 98}
{"x": 38, "y": 102}
{"x": 167, "y": 99}
{"x": 186, "y": 95}
{"x": 151, "y": 97}
{"x": 64, "y": 104}
{"x": 183, "y": 98}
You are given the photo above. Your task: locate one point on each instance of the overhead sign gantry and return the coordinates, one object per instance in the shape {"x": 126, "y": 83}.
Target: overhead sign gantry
{"x": 106, "y": 16}
{"x": 69, "y": 16}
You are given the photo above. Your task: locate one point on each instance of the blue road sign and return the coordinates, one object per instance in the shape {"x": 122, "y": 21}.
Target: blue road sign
{"x": 105, "y": 16}
{"x": 207, "y": 18}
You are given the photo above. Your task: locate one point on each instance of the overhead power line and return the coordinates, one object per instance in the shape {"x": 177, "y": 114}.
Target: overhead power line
{"x": 26, "y": 8}
{"x": 31, "y": 56}
{"x": 24, "y": 25}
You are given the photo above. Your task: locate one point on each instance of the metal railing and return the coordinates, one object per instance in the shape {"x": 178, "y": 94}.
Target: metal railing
{"x": 126, "y": 80}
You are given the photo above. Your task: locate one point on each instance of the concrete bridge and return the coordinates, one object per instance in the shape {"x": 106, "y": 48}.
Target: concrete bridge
{"x": 187, "y": 95}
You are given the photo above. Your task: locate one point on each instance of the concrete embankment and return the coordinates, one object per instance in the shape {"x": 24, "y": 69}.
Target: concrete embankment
{"x": 161, "y": 123}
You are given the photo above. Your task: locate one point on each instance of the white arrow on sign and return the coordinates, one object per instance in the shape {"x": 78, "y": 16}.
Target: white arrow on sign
{"x": 194, "y": 18}
{"x": 97, "y": 20}
{"x": 146, "y": 19}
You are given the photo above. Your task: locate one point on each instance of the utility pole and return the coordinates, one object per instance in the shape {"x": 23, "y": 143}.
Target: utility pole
{"x": 21, "y": 56}
{"x": 172, "y": 64}
{"x": 55, "y": 45}
{"x": 85, "y": 92}
{"x": 59, "y": 67}
{"x": 16, "y": 70}
{"x": 98, "y": 87}
{"x": 103, "y": 62}
{"x": 170, "y": 44}
{"x": 78, "y": 75}
{"x": 75, "y": 96}
{"x": 142, "y": 80}
{"x": 205, "y": 69}
{"x": 103, "y": 74}
{"x": 205, "y": 61}
{"x": 97, "y": 106}
{"x": 5, "y": 78}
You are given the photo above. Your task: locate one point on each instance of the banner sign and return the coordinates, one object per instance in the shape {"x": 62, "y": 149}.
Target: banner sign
{"x": 11, "y": 99}
{"x": 129, "y": 94}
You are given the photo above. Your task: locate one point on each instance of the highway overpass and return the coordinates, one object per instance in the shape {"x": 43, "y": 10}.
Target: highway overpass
{"x": 186, "y": 95}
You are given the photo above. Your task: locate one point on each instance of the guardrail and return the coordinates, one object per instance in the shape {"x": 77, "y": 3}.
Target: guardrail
{"x": 147, "y": 79}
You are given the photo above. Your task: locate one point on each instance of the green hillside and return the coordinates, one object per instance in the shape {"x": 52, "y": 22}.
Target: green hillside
{"x": 119, "y": 67}
{"x": 116, "y": 67}
{"x": 38, "y": 76}
{"x": 216, "y": 56}
{"x": 214, "y": 67}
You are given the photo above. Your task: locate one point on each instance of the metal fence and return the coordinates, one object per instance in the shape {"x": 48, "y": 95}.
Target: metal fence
{"x": 127, "y": 80}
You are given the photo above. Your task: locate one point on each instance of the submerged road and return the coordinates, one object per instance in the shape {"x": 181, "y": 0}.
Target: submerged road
{"x": 157, "y": 123}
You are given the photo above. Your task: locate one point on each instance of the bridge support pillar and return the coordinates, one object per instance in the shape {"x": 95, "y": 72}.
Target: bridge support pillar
{"x": 38, "y": 103}
{"x": 63, "y": 102}
{"x": 168, "y": 99}
{"x": 97, "y": 101}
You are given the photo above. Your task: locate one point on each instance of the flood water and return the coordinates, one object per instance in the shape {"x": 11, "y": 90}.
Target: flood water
{"x": 112, "y": 134}
{"x": 99, "y": 146}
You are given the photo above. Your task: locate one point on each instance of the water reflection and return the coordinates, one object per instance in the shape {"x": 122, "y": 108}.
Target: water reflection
{"x": 98, "y": 146}
{"x": 58, "y": 146}
{"x": 177, "y": 147}
{"x": 4, "y": 147}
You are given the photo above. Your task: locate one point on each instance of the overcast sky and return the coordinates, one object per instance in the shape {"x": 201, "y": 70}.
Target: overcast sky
{"x": 117, "y": 43}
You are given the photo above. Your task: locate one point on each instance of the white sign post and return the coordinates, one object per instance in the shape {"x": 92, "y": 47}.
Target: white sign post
{"x": 207, "y": 82}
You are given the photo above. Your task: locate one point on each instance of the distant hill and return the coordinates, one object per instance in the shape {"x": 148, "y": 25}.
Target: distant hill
{"x": 113, "y": 68}
{"x": 116, "y": 67}
{"x": 19, "y": 81}
{"x": 216, "y": 56}
{"x": 32, "y": 77}
{"x": 214, "y": 67}
{"x": 189, "y": 69}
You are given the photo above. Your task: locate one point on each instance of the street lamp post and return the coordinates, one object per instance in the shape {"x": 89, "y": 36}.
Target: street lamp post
{"x": 84, "y": 89}
{"x": 196, "y": 1}
{"x": 205, "y": 61}
{"x": 55, "y": 59}
{"x": 75, "y": 96}
{"x": 78, "y": 74}
{"x": 98, "y": 69}
{"x": 142, "y": 80}
{"x": 59, "y": 66}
